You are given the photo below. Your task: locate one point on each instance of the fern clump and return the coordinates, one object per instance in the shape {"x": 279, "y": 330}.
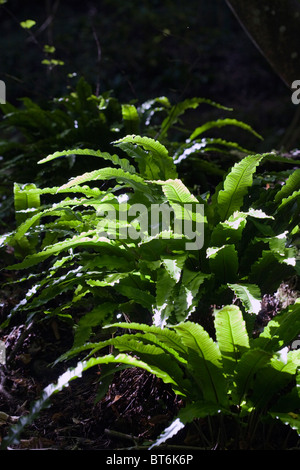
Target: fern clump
{"x": 247, "y": 380}
{"x": 141, "y": 265}
{"x": 128, "y": 239}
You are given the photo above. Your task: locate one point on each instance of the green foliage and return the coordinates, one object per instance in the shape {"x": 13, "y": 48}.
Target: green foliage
{"x": 27, "y": 24}
{"x": 62, "y": 237}
{"x": 80, "y": 120}
{"x": 236, "y": 376}
{"x": 85, "y": 262}
{"x": 77, "y": 119}
{"x": 94, "y": 251}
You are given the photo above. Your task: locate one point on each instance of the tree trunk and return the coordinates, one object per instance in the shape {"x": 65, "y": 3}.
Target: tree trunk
{"x": 274, "y": 27}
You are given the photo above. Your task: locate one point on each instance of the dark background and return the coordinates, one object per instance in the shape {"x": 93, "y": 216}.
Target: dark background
{"x": 141, "y": 50}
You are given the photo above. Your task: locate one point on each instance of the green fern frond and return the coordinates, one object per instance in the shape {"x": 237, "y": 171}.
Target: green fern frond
{"x": 280, "y": 331}
{"x": 223, "y": 262}
{"x": 106, "y": 174}
{"x": 291, "y": 185}
{"x": 236, "y": 185}
{"x": 222, "y": 123}
{"x": 231, "y": 335}
{"x": 272, "y": 380}
{"x": 122, "y": 162}
{"x": 165, "y": 335}
{"x": 180, "y": 108}
{"x": 249, "y": 295}
{"x": 205, "y": 362}
{"x": 157, "y": 156}
{"x": 84, "y": 239}
{"x": 248, "y": 366}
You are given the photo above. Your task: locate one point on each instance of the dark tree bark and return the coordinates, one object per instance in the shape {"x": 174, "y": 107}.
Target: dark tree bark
{"x": 274, "y": 27}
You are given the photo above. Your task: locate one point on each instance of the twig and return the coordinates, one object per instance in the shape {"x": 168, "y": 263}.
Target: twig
{"x": 121, "y": 435}
{"x": 2, "y": 382}
{"x": 19, "y": 342}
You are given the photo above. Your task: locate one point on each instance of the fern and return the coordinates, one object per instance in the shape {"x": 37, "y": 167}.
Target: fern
{"x": 236, "y": 183}
{"x": 174, "y": 290}
{"x": 231, "y": 335}
{"x": 246, "y": 372}
{"x": 204, "y": 361}
{"x": 26, "y": 203}
{"x": 176, "y": 191}
{"x": 202, "y": 146}
{"x": 122, "y": 162}
{"x": 273, "y": 379}
{"x": 106, "y": 174}
{"x": 249, "y": 295}
{"x": 131, "y": 119}
{"x": 285, "y": 326}
{"x": 85, "y": 239}
{"x": 247, "y": 250}
{"x": 155, "y": 163}
{"x": 25, "y": 200}
{"x": 221, "y": 123}
{"x": 180, "y": 108}
{"x": 291, "y": 185}
{"x": 223, "y": 262}
{"x": 219, "y": 377}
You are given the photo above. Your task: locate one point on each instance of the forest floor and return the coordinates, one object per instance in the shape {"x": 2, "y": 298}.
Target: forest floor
{"x": 136, "y": 408}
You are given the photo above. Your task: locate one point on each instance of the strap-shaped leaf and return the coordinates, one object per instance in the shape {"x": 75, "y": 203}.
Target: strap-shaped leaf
{"x": 55, "y": 210}
{"x": 131, "y": 118}
{"x": 292, "y": 184}
{"x": 106, "y": 174}
{"x": 166, "y": 335}
{"x": 230, "y": 231}
{"x": 207, "y": 144}
{"x": 85, "y": 239}
{"x": 249, "y": 295}
{"x": 205, "y": 362}
{"x": 189, "y": 413}
{"x": 25, "y": 201}
{"x": 164, "y": 297}
{"x": 176, "y": 191}
{"x": 122, "y": 162}
{"x": 157, "y": 155}
{"x": 221, "y": 123}
{"x": 99, "y": 315}
{"x": 169, "y": 432}
{"x": 189, "y": 212}
{"x": 158, "y": 357}
{"x": 281, "y": 330}
{"x": 272, "y": 380}
{"x": 291, "y": 198}
{"x": 86, "y": 190}
{"x": 223, "y": 263}
{"x": 133, "y": 293}
{"x": 231, "y": 335}
{"x": 236, "y": 185}
{"x": 179, "y": 108}
{"x": 250, "y": 362}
